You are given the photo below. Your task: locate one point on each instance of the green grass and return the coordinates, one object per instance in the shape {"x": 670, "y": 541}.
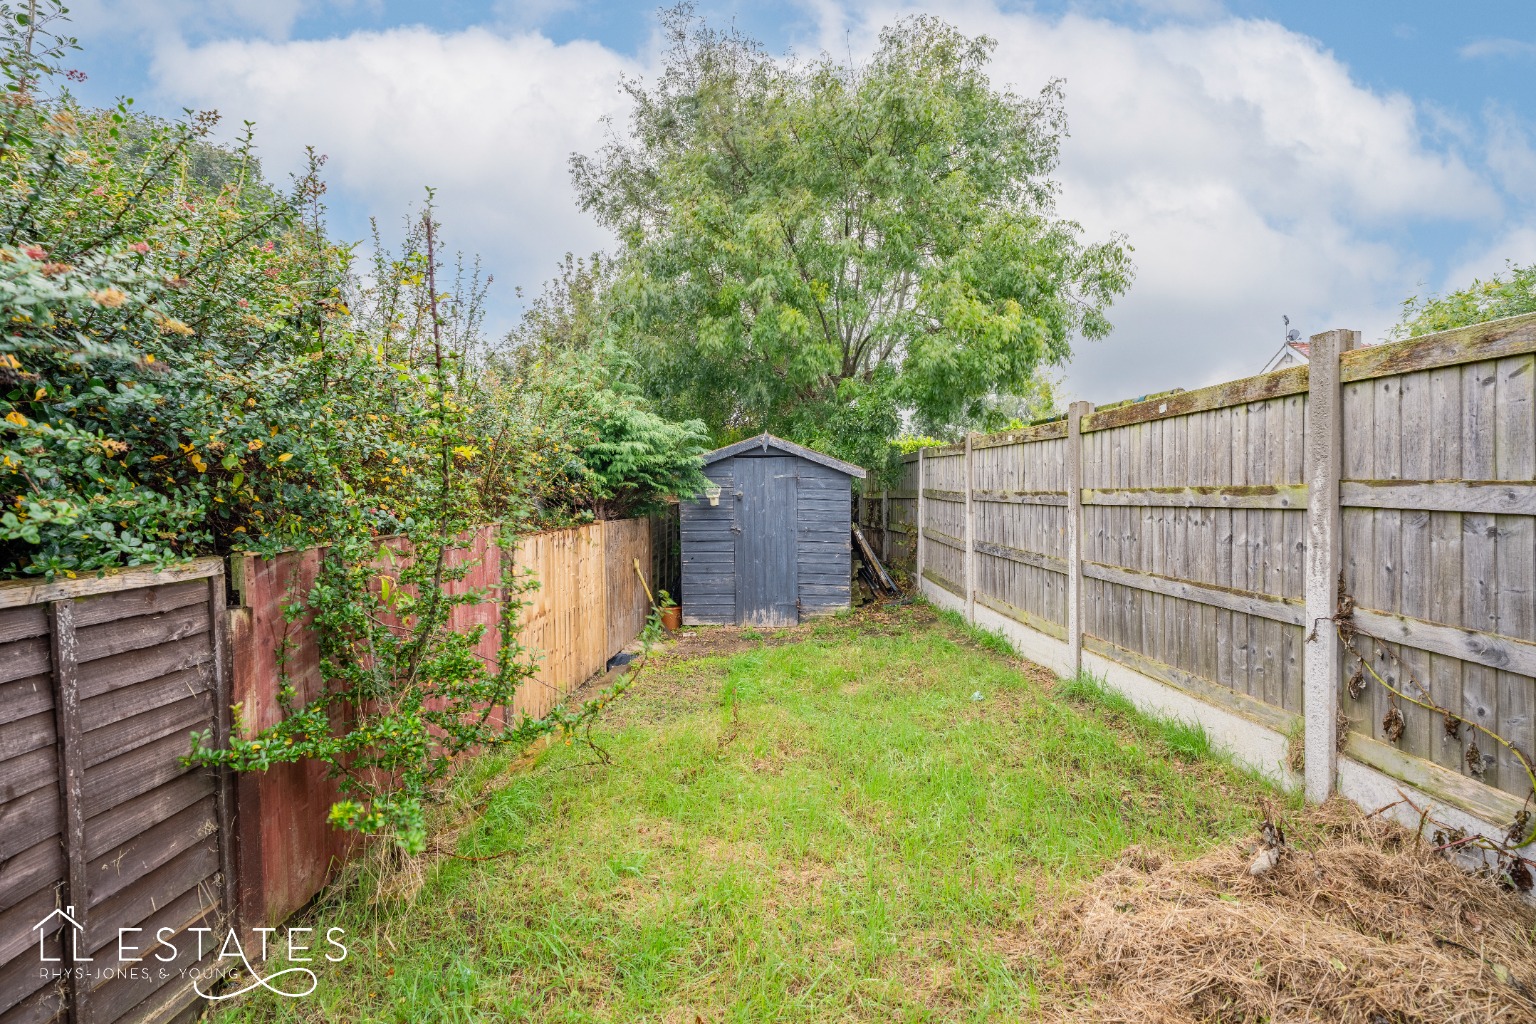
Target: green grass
{"x": 830, "y": 829}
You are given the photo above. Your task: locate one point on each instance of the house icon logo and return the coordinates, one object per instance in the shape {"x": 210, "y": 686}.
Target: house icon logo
{"x": 67, "y": 914}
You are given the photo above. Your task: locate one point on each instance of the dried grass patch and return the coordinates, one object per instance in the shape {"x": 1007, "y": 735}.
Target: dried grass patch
{"x": 1360, "y": 921}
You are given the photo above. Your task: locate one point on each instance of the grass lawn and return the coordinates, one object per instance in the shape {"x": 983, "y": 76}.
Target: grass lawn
{"x": 854, "y": 820}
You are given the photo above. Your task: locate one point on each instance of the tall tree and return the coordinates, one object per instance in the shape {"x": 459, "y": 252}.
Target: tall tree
{"x": 835, "y": 251}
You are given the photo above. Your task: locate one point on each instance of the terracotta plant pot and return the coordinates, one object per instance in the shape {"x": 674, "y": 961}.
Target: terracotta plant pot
{"x": 672, "y": 618}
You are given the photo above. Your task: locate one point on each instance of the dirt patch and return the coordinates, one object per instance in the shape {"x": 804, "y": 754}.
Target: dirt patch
{"x": 1359, "y": 922}
{"x": 697, "y": 642}
{"x": 672, "y": 694}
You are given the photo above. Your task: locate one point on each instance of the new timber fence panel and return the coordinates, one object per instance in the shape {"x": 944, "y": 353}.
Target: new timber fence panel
{"x": 626, "y": 542}
{"x": 565, "y": 619}
{"x": 102, "y": 681}
{"x": 1194, "y": 543}
{"x": 587, "y": 606}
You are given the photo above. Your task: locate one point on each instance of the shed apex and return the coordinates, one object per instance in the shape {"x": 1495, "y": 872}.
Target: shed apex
{"x": 764, "y": 441}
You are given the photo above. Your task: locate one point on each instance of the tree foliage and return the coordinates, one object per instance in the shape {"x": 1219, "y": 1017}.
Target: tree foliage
{"x": 827, "y": 251}
{"x": 613, "y": 455}
{"x": 1497, "y": 297}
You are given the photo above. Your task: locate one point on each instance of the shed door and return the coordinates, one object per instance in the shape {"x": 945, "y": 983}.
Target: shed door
{"x": 766, "y": 585}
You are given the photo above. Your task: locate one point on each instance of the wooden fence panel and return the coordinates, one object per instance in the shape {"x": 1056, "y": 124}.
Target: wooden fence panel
{"x": 944, "y": 515}
{"x": 625, "y": 542}
{"x": 102, "y": 681}
{"x": 666, "y": 568}
{"x": 1019, "y": 505}
{"x": 901, "y": 517}
{"x": 1194, "y": 525}
{"x": 1456, "y": 563}
{"x": 34, "y": 879}
{"x": 565, "y": 619}
{"x": 287, "y": 850}
{"x": 1207, "y": 510}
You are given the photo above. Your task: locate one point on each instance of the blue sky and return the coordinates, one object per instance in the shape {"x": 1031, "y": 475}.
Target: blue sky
{"x": 1321, "y": 160}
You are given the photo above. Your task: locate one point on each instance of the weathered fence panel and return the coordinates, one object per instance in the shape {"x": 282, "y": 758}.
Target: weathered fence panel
{"x": 286, "y": 849}
{"x": 943, "y": 527}
{"x": 102, "y": 681}
{"x": 1020, "y": 530}
{"x": 101, "y": 828}
{"x": 1192, "y": 528}
{"x": 893, "y": 513}
{"x": 1193, "y": 511}
{"x": 1439, "y": 530}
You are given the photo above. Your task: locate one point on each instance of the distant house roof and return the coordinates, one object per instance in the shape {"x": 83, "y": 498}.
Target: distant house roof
{"x": 765, "y": 441}
{"x": 1292, "y": 353}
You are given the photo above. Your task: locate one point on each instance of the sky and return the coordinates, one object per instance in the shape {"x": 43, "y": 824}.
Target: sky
{"x": 1316, "y": 160}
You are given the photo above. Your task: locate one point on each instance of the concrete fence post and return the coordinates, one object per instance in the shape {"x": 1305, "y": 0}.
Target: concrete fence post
{"x": 1321, "y": 666}
{"x": 1075, "y": 413}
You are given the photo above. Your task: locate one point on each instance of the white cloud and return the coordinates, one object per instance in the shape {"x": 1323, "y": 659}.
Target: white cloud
{"x": 1253, "y": 175}
{"x": 488, "y": 120}
{"x": 1485, "y": 48}
{"x": 1182, "y": 8}
{"x": 1511, "y": 156}
{"x": 1515, "y": 245}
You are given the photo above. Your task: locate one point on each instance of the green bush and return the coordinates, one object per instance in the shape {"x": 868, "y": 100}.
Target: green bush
{"x": 189, "y": 365}
{"x": 178, "y": 372}
{"x": 1497, "y": 297}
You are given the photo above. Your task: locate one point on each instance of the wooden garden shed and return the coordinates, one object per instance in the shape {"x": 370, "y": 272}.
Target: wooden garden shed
{"x": 769, "y": 542}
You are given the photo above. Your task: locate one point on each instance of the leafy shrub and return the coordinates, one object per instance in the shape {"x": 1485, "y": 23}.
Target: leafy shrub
{"x": 178, "y": 374}
{"x": 1497, "y": 297}
{"x": 189, "y": 365}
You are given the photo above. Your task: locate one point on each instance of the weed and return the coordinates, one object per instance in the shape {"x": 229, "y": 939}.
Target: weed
{"x": 1181, "y": 737}
{"x": 986, "y": 639}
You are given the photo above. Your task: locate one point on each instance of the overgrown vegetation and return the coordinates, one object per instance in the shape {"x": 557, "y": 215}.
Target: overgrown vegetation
{"x": 1508, "y": 294}
{"x": 861, "y": 819}
{"x": 192, "y": 365}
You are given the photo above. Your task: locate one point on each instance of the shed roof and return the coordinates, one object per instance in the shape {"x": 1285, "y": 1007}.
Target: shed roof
{"x": 765, "y": 440}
